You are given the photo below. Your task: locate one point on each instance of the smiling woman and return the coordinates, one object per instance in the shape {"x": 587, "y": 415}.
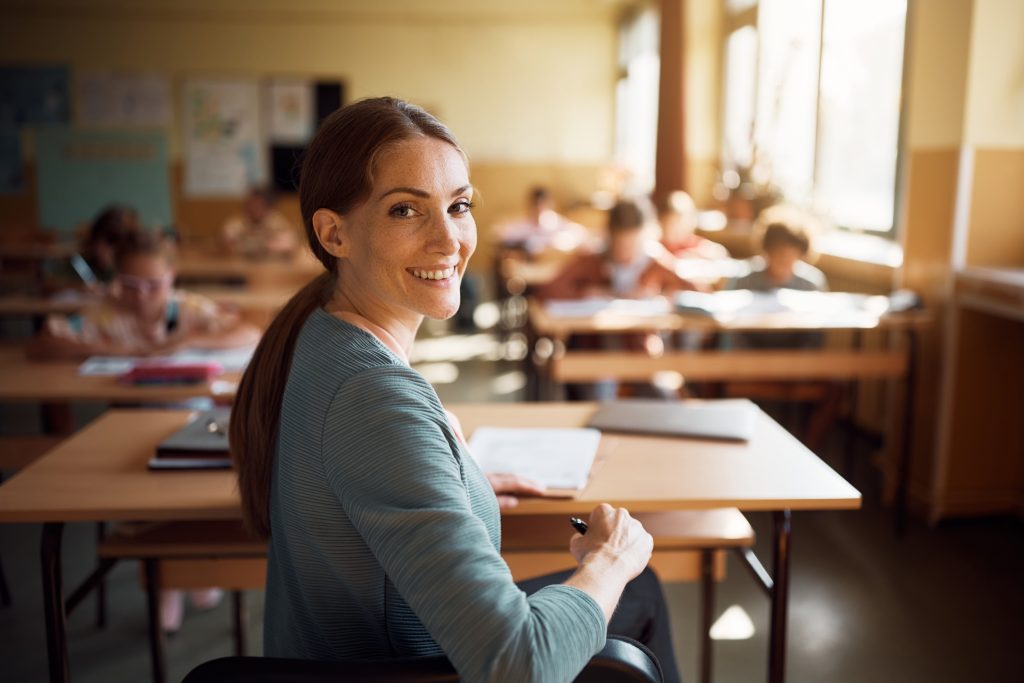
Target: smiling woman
{"x": 383, "y": 533}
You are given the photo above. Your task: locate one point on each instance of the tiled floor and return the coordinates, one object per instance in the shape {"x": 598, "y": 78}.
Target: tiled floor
{"x": 940, "y": 605}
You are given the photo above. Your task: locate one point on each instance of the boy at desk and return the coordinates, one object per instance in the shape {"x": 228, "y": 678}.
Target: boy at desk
{"x": 632, "y": 266}
{"x": 785, "y": 244}
{"x": 142, "y": 314}
{"x": 260, "y": 230}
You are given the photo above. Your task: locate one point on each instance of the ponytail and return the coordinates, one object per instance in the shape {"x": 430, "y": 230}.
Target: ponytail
{"x": 255, "y": 416}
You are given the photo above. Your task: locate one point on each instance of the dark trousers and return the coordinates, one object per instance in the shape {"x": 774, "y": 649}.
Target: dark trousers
{"x": 641, "y": 615}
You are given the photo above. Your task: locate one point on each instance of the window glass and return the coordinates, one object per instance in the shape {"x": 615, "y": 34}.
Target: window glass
{"x": 861, "y": 76}
{"x": 740, "y": 90}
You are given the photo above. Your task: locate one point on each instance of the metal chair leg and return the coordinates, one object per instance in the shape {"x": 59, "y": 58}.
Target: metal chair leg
{"x": 157, "y": 643}
{"x": 707, "y": 599}
{"x": 240, "y": 617}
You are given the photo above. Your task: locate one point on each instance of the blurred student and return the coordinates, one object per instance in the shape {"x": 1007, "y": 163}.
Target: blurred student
{"x": 542, "y": 227}
{"x": 260, "y": 230}
{"x": 786, "y": 233}
{"x": 678, "y": 218}
{"x": 141, "y": 313}
{"x": 785, "y": 245}
{"x": 633, "y": 265}
{"x": 108, "y": 231}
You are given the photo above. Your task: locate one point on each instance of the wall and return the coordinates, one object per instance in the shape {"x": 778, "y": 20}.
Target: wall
{"x": 528, "y": 88}
{"x": 704, "y": 22}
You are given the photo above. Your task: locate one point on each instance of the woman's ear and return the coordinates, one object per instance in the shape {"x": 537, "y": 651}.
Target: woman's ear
{"x": 329, "y": 229}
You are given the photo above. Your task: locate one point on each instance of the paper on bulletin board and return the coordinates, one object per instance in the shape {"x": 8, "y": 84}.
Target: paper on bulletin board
{"x": 130, "y": 100}
{"x": 224, "y": 150}
{"x": 291, "y": 112}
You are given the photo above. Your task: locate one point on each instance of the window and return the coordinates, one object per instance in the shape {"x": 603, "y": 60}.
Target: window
{"x": 826, "y": 120}
{"x": 636, "y": 98}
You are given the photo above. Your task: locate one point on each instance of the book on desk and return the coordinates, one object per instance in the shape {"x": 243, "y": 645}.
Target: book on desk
{"x": 201, "y": 444}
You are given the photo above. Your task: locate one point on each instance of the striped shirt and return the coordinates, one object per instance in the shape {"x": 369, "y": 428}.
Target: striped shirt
{"x": 385, "y": 534}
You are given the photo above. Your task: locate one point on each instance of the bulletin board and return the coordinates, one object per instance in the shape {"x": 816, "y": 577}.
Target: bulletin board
{"x": 80, "y": 172}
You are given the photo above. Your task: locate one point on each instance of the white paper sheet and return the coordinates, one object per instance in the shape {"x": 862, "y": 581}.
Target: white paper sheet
{"x": 232, "y": 360}
{"x": 585, "y": 308}
{"x": 557, "y": 458}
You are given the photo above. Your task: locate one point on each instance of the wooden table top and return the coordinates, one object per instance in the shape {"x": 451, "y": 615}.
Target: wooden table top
{"x": 784, "y": 321}
{"x": 202, "y": 265}
{"x": 269, "y": 298}
{"x": 100, "y": 473}
{"x": 25, "y": 380}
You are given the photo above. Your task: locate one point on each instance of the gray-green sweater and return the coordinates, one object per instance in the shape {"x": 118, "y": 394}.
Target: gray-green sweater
{"x": 385, "y": 533}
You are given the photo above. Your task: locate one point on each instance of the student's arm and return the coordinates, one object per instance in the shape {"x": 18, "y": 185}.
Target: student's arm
{"x": 62, "y": 339}
{"x": 388, "y": 460}
{"x": 205, "y": 325}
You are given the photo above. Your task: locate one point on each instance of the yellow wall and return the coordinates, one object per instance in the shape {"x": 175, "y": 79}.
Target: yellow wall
{"x": 704, "y": 27}
{"x": 528, "y": 87}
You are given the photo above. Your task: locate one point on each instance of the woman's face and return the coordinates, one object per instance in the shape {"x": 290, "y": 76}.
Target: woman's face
{"x": 408, "y": 245}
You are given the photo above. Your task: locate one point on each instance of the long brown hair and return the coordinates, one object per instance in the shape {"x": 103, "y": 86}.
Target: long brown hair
{"x": 337, "y": 174}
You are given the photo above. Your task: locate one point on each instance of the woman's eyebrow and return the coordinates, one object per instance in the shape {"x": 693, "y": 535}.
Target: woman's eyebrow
{"x": 421, "y": 193}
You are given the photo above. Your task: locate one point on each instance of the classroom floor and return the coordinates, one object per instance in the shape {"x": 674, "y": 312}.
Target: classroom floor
{"x": 939, "y": 605}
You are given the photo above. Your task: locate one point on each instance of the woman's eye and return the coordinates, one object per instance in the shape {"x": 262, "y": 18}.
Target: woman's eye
{"x": 401, "y": 211}
{"x": 460, "y": 208}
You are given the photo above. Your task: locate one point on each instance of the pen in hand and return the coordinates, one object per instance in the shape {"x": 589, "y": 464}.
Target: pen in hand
{"x": 578, "y": 524}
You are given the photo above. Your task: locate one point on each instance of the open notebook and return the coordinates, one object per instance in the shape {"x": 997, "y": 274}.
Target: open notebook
{"x": 560, "y": 459}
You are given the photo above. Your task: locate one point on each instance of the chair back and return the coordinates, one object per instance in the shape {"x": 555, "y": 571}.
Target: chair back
{"x": 620, "y": 661}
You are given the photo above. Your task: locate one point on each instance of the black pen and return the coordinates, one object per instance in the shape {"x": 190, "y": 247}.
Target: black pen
{"x": 578, "y": 524}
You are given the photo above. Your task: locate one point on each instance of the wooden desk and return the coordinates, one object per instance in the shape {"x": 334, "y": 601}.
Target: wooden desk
{"x": 59, "y": 382}
{"x": 207, "y": 267}
{"x": 895, "y": 361}
{"x": 100, "y": 474}
{"x": 256, "y": 305}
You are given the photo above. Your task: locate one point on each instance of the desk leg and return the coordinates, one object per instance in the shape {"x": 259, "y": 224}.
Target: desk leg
{"x": 906, "y": 445}
{"x": 781, "y": 529}
{"x": 53, "y": 602}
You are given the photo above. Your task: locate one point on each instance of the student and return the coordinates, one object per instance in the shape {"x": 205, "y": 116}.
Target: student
{"x": 108, "y": 230}
{"x": 141, "y": 313}
{"x": 260, "y": 230}
{"x": 785, "y": 244}
{"x": 383, "y": 532}
{"x": 678, "y": 218}
{"x": 542, "y": 228}
{"x": 633, "y": 265}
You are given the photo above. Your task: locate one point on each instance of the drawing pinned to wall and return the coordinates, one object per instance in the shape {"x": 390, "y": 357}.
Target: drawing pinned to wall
{"x": 291, "y": 112}
{"x": 223, "y": 141}
{"x": 112, "y": 100}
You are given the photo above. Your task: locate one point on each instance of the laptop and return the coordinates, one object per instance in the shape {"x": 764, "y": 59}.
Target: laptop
{"x": 725, "y": 419}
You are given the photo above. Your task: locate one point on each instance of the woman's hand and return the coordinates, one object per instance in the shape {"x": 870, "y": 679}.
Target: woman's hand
{"x": 507, "y": 486}
{"x": 614, "y": 539}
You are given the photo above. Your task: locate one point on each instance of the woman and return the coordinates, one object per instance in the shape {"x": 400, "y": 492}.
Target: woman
{"x": 383, "y": 533}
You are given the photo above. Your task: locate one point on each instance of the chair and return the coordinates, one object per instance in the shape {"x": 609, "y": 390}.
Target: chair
{"x": 620, "y": 661}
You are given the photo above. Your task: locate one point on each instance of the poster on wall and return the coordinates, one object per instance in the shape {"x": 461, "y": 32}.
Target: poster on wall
{"x": 223, "y": 139}
{"x": 290, "y": 104}
{"x": 29, "y": 95}
{"x": 80, "y": 172}
{"x": 122, "y": 100}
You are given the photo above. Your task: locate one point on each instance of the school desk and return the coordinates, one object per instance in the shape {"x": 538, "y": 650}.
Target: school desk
{"x": 257, "y": 305}
{"x": 195, "y": 266}
{"x": 100, "y": 474}
{"x": 556, "y": 365}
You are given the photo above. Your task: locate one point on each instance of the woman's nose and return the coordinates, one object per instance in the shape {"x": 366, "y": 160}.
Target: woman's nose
{"x": 445, "y": 235}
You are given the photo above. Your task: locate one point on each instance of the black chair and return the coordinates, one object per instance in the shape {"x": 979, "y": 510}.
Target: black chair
{"x": 620, "y": 661}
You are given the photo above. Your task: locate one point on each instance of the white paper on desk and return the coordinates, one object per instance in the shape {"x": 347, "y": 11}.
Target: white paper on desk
{"x": 232, "y": 360}
{"x": 556, "y": 458}
{"x": 585, "y": 308}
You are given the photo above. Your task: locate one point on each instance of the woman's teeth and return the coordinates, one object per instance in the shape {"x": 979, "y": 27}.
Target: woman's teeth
{"x": 435, "y": 274}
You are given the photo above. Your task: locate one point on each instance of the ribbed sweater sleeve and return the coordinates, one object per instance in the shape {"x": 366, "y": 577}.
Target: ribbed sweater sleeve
{"x": 389, "y": 461}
